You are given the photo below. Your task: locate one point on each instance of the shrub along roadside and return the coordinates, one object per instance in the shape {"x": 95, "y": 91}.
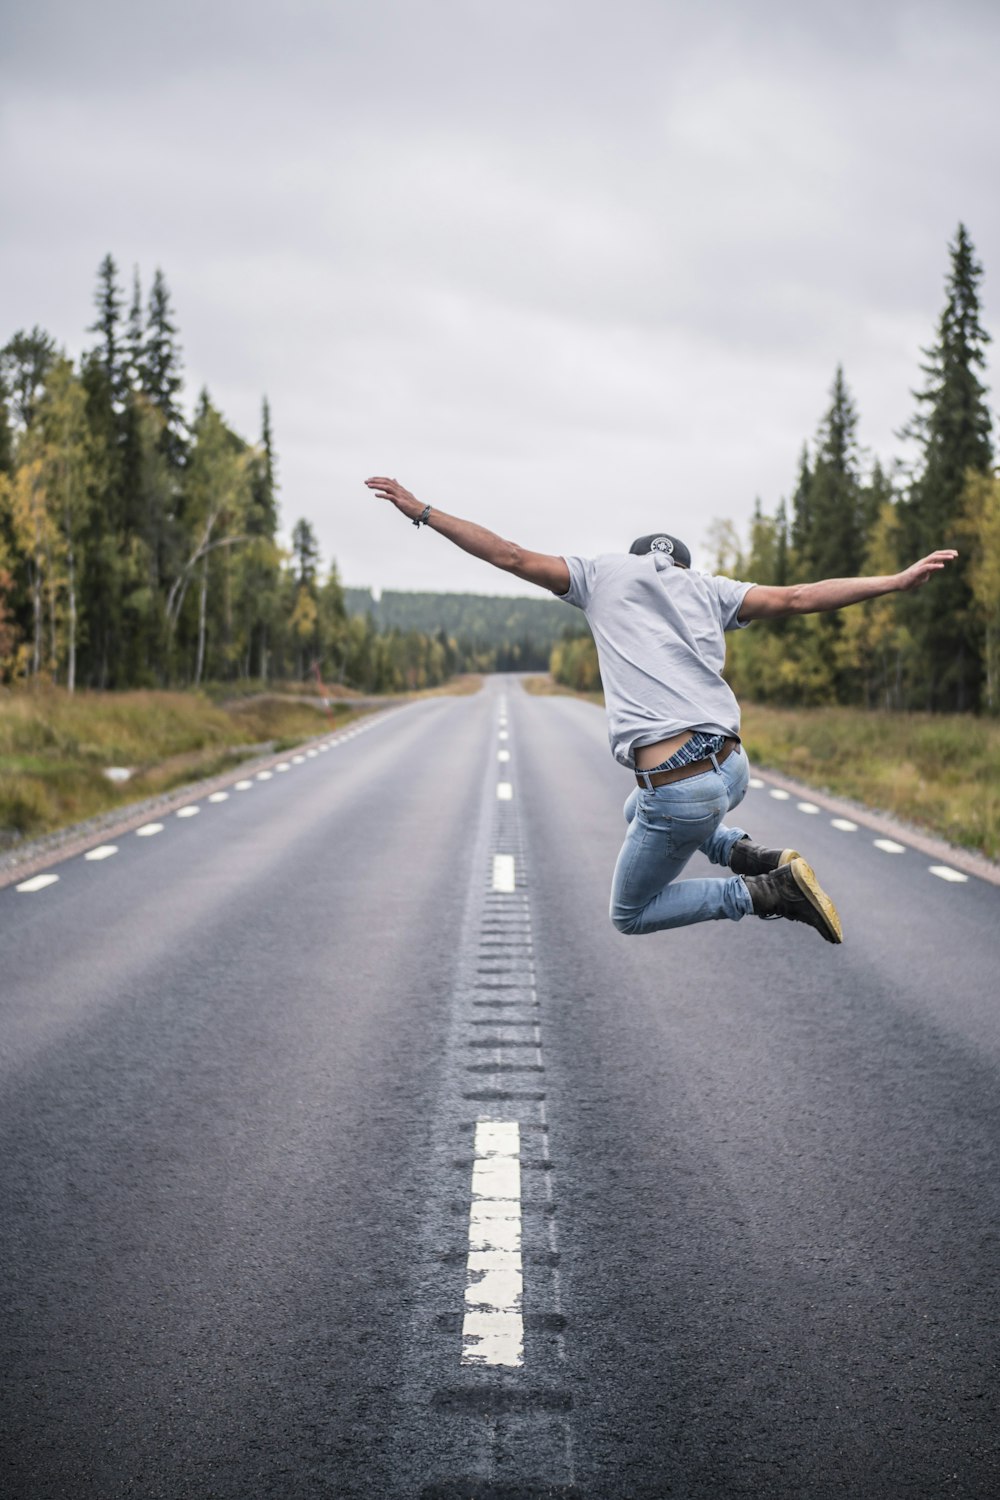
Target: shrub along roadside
{"x": 940, "y": 772}
{"x": 55, "y": 748}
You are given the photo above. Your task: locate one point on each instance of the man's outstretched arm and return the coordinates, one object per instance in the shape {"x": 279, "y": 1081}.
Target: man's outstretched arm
{"x": 535, "y": 567}
{"x": 764, "y": 602}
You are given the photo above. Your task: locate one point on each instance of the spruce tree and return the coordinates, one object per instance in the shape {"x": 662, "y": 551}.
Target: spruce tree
{"x": 134, "y": 334}
{"x": 953, "y": 429}
{"x": 835, "y": 543}
{"x": 161, "y": 368}
{"x": 110, "y": 350}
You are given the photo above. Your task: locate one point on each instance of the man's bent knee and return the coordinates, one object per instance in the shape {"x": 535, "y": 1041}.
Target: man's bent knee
{"x": 628, "y": 922}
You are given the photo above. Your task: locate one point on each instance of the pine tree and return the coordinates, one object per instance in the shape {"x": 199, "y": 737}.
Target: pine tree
{"x": 110, "y": 351}
{"x": 802, "y": 516}
{"x": 953, "y": 429}
{"x": 835, "y": 542}
{"x": 25, "y": 361}
{"x": 161, "y": 368}
{"x": 134, "y": 334}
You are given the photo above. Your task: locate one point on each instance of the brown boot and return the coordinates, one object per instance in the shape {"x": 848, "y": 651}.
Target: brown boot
{"x": 751, "y": 859}
{"x": 793, "y": 891}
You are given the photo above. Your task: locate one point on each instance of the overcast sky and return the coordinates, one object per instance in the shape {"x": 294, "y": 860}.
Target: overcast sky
{"x": 576, "y": 270}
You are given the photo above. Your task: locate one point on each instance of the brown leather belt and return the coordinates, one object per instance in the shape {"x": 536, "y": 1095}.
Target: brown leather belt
{"x": 693, "y": 768}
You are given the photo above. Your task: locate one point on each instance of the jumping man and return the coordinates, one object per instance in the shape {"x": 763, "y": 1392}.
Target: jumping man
{"x": 672, "y": 718}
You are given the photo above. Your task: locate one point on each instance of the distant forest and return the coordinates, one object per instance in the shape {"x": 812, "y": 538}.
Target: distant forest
{"x": 497, "y": 634}
{"x": 139, "y": 547}
{"x": 936, "y": 649}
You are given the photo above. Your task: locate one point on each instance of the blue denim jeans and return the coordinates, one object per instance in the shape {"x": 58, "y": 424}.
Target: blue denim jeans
{"x": 666, "y": 825}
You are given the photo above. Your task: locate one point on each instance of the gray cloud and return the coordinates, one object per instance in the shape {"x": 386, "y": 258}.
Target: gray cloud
{"x": 567, "y": 269}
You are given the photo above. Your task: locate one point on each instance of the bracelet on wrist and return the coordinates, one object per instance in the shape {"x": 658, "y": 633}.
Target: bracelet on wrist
{"x": 421, "y": 520}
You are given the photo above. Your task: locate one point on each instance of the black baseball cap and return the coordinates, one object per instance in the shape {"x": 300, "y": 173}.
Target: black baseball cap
{"x": 659, "y": 541}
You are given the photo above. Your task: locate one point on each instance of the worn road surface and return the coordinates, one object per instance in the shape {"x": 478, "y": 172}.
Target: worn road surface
{"x": 346, "y": 1150}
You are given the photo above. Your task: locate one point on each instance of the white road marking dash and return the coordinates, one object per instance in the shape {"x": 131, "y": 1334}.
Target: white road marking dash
{"x": 493, "y": 1326}
{"x": 148, "y": 829}
{"x": 807, "y": 807}
{"x": 503, "y": 872}
{"x": 243, "y": 786}
{"x": 945, "y": 872}
{"x": 103, "y": 851}
{"x": 37, "y": 883}
{"x": 844, "y": 824}
{"x": 191, "y": 811}
{"x": 504, "y": 791}
{"x": 219, "y": 797}
{"x": 755, "y": 782}
{"x": 888, "y": 846}
{"x": 264, "y": 775}
{"x": 779, "y": 794}
{"x": 503, "y": 755}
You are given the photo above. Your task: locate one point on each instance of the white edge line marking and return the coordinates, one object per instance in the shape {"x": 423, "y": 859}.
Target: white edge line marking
{"x": 779, "y": 794}
{"x": 889, "y": 846}
{"x": 844, "y": 824}
{"x": 807, "y": 807}
{"x": 282, "y": 766}
{"x": 191, "y": 811}
{"x": 503, "y": 872}
{"x": 298, "y": 760}
{"x": 755, "y": 782}
{"x": 37, "y": 883}
{"x": 264, "y": 775}
{"x": 148, "y": 829}
{"x": 504, "y": 791}
{"x": 103, "y": 851}
{"x": 243, "y": 786}
{"x": 493, "y": 1326}
{"x": 218, "y": 797}
{"x": 945, "y": 872}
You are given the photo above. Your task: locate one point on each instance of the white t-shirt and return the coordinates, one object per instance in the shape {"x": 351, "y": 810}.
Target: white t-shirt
{"x": 660, "y": 634}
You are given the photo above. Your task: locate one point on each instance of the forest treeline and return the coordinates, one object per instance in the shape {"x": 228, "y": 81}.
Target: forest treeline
{"x": 495, "y": 633}
{"x": 935, "y": 649}
{"x": 139, "y": 549}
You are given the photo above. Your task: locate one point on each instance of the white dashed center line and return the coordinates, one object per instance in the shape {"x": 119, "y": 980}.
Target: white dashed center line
{"x": 504, "y": 735}
{"x": 505, "y": 791}
{"x": 945, "y": 872}
{"x": 503, "y": 755}
{"x": 37, "y": 883}
{"x": 264, "y": 775}
{"x": 188, "y": 812}
{"x": 779, "y": 794}
{"x": 148, "y": 829}
{"x": 243, "y": 786}
{"x": 493, "y": 1328}
{"x": 298, "y": 760}
{"x": 219, "y": 797}
{"x": 282, "y": 766}
{"x": 755, "y": 782}
{"x": 503, "y": 872}
{"x": 844, "y": 824}
{"x": 103, "y": 851}
{"x": 888, "y": 846}
{"x": 807, "y": 807}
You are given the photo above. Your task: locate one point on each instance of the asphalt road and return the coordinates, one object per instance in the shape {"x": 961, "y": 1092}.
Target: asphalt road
{"x": 346, "y": 1150}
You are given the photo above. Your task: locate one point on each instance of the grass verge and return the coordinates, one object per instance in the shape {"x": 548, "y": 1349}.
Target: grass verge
{"x": 940, "y": 772}
{"x": 55, "y": 748}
